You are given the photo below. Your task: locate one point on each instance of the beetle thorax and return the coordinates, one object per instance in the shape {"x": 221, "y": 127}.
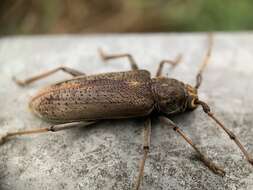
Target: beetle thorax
{"x": 170, "y": 95}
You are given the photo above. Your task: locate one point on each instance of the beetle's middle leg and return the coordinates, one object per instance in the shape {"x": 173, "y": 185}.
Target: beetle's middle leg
{"x": 173, "y": 63}
{"x": 146, "y": 144}
{"x": 53, "y": 128}
{"x": 106, "y": 57}
{"x": 28, "y": 81}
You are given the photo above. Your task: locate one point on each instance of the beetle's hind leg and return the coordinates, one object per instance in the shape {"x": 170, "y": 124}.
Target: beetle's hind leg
{"x": 146, "y": 143}
{"x": 106, "y": 57}
{"x": 28, "y": 81}
{"x": 53, "y": 128}
{"x": 173, "y": 63}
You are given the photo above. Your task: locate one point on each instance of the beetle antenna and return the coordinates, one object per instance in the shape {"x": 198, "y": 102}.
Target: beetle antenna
{"x": 205, "y": 61}
{"x": 233, "y": 137}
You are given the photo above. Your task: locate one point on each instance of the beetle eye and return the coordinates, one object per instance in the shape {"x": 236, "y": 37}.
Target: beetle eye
{"x": 193, "y": 104}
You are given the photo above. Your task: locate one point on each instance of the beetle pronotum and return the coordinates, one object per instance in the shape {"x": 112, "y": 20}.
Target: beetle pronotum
{"x": 84, "y": 100}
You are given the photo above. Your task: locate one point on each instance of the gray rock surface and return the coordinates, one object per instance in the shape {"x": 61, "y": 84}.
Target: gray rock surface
{"x": 106, "y": 155}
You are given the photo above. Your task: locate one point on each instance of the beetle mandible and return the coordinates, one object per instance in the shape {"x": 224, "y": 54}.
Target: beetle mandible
{"x": 84, "y": 100}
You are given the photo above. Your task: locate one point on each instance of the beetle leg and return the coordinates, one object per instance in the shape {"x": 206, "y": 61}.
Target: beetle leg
{"x": 53, "y": 128}
{"x": 173, "y": 63}
{"x": 68, "y": 70}
{"x": 211, "y": 165}
{"x": 146, "y": 144}
{"x": 106, "y": 57}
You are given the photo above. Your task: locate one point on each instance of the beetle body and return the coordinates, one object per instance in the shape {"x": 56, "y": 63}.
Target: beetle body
{"x": 109, "y": 96}
{"x": 72, "y": 103}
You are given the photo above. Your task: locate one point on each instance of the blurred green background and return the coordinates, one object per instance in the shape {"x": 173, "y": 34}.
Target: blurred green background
{"x": 96, "y": 16}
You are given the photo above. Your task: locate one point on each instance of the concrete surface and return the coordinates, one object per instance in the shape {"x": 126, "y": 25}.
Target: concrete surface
{"x": 106, "y": 155}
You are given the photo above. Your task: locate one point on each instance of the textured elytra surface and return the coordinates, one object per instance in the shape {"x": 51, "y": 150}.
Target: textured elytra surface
{"x": 106, "y": 155}
{"x": 94, "y": 97}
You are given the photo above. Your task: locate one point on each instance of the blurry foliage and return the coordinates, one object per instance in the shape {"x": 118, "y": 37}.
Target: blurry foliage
{"x": 88, "y": 16}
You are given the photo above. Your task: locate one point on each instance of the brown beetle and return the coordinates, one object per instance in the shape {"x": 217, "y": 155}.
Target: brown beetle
{"x": 84, "y": 100}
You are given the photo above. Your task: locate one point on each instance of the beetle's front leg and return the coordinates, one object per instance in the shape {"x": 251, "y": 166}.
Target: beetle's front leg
{"x": 146, "y": 144}
{"x": 173, "y": 63}
{"x": 53, "y": 128}
{"x": 106, "y": 57}
{"x": 28, "y": 81}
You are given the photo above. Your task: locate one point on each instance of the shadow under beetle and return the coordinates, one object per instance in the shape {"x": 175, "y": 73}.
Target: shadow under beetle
{"x": 84, "y": 100}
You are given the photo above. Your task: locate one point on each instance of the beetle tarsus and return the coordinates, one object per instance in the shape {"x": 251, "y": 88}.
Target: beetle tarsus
{"x": 19, "y": 82}
{"x": 102, "y": 54}
{"x": 216, "y": 169}
{"x": 3, "y": 138}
